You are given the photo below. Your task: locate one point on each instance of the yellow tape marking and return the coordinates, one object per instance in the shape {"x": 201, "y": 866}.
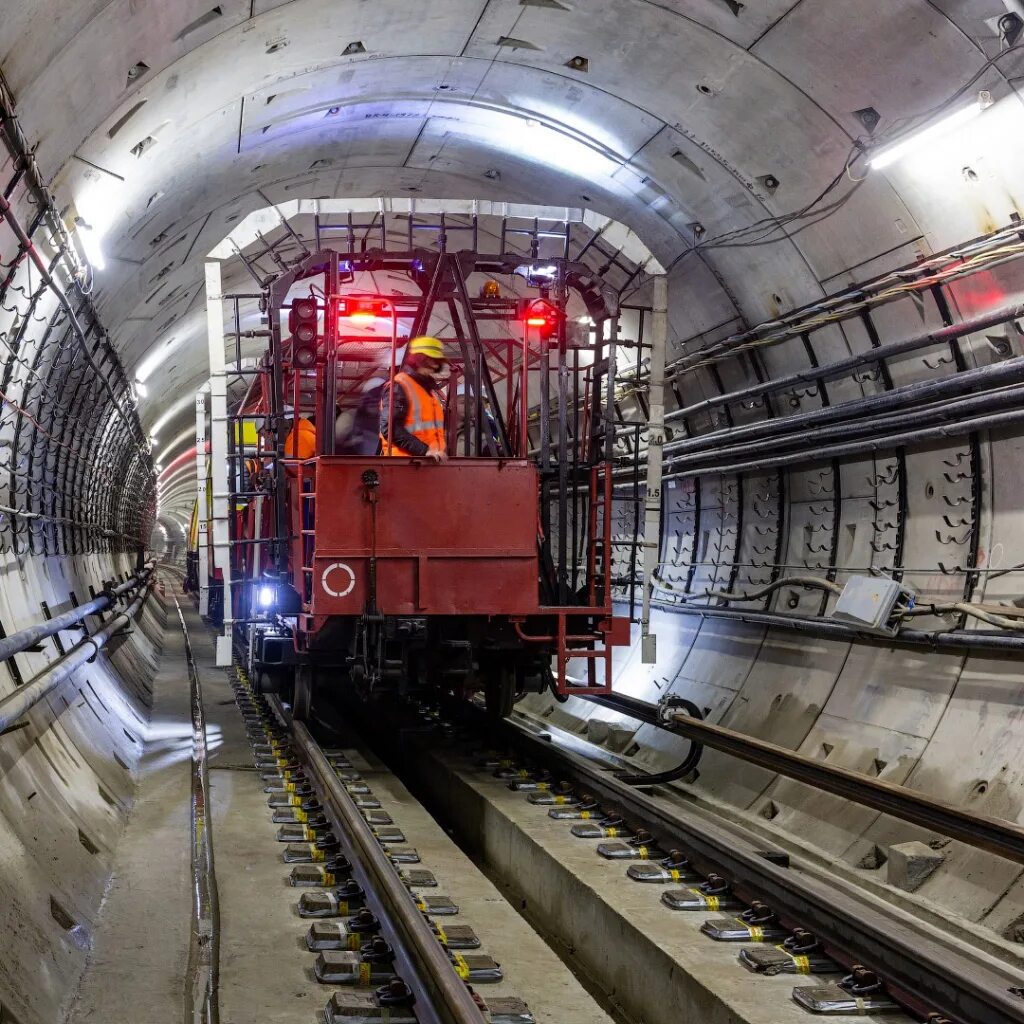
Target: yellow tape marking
{"x": 364, "y": 974}
{"x": 461, "y": 967}
{"x": 585, "y": 815}
{"x": 611, "y": 833}
{"x": 712, "y": 902}
{"x": 756, "y": 934}
{"x": 318, "y": 855}
{"x": 676, "y": 875}
{"x": 442, "y": 935}
{"x": 644, "y": 852}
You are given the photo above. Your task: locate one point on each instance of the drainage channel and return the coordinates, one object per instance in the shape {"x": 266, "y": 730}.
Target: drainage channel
{"x": 686, "y": 903}
{"x": 390, "y": 937}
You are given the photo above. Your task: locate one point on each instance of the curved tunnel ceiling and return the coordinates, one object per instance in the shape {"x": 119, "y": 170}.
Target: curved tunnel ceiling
{"x": 165, "y": 124}
{"x": 700, "y": 124}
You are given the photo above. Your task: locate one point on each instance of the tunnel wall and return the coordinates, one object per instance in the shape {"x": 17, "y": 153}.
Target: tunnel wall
{"x": 67, "y": 779}
{"x": 946, "y": 722}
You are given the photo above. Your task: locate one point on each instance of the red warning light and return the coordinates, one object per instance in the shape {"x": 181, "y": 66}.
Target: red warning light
{"x": 543, "y": 316}
{"x": 362, "y": 310}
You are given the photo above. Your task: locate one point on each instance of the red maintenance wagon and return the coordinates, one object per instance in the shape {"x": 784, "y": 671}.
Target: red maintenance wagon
{"x": 490, "y": 572}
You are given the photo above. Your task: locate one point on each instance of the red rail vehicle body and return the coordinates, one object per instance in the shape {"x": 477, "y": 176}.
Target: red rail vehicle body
{"x": 490, "y": 572}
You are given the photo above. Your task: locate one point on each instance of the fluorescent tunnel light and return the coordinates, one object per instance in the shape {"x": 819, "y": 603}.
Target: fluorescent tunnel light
{"x": 923, "y": 138}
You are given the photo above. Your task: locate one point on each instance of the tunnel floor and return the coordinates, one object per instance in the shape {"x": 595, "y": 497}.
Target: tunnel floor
{"x": 139, "y": 959}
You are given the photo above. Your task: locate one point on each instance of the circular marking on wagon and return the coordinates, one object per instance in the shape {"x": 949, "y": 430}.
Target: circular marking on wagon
{"x": 347, "y": 588}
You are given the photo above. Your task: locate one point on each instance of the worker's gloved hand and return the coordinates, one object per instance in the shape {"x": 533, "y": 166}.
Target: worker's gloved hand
{"x": 439, "y": 455}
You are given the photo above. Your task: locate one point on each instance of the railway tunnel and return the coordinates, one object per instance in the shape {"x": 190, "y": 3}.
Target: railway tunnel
{"x": 792, "y": 295}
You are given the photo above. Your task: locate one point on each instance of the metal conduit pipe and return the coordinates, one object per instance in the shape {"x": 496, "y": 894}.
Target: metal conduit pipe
{"x": 26, "y": 697}
{"x": 26, "y": 638}
{"x": 872, "y": 426}
{"x": 875, "y": 355}
{"x": 997, "y": 374}
{"x": 961, "y": 639}
{"x": 869, "y": 444}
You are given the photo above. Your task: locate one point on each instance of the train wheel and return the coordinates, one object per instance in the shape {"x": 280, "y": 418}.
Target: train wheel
{"x": 302, "y": 699}
{"x": 500, "y": 692}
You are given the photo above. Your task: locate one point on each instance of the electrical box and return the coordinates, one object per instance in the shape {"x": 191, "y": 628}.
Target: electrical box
{"x": 873, "y": 603}
{"x": 649, "y": 649}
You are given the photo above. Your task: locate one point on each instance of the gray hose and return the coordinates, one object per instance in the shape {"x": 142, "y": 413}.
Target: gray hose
{"x": 28, "y": 696}
{"x": 26, "y": 638}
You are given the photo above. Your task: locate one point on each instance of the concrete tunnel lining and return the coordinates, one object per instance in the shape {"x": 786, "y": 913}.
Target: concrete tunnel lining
{"x": 685, "y": 111}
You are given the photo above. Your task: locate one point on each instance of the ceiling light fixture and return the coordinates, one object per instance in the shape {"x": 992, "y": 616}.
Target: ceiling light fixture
{"x": 90, "y": 240}
{"x": 932, "y": 133}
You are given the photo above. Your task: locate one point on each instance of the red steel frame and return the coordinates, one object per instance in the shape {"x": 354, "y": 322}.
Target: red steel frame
{"x": 461, "y": 572}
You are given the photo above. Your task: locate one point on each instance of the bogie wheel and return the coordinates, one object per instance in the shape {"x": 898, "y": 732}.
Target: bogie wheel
{"x": 500, "y": 692}
{"x": 302, "y": 699}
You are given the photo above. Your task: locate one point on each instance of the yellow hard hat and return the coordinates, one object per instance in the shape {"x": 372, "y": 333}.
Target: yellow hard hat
{"x": 427, "y": 346}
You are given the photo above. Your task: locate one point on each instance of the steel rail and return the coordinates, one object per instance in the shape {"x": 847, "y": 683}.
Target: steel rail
{"x": 28, "y": 696}
{"x": 202, "y": 978}
{"x": 923, "y": 968}
{"x": 446, "y": 993}
{"x": 994, "y": 835}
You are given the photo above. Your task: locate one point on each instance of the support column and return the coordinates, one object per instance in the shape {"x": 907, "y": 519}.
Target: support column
{"x": 655, "y": 443}
{"x": 202, "y": 512}
{"x": 219, "y": 451}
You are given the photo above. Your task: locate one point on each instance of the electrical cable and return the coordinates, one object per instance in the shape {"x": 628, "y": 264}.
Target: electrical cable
{"x": 861, "y": 146}
{"x": 813, "y": 582}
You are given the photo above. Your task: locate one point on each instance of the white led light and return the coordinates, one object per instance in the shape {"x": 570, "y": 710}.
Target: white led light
{"x": 91, "y": 247}
{"x": 924, "y": 137}
{"x": 266, "y": 597}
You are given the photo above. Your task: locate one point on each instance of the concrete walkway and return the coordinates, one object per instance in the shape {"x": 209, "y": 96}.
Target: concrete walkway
{"x": 136, "y": 970}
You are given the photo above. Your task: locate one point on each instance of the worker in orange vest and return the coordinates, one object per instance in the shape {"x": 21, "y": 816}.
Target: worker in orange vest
{"x": 416, "y": 413}
{"x": 300, "y": 443}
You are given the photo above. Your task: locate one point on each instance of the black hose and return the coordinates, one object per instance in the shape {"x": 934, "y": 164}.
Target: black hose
{"x": 648, "y": 713}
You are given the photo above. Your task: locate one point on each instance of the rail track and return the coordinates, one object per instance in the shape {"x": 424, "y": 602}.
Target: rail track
{"x": 873, "y": 956}
{"x": 889, "y": 956}
{"x": 374, "y": 934}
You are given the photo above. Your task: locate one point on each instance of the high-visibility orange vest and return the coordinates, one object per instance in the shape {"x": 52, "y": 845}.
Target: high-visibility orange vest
{"x": 301, "y": 441}
{"x": 425, "y": 416}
